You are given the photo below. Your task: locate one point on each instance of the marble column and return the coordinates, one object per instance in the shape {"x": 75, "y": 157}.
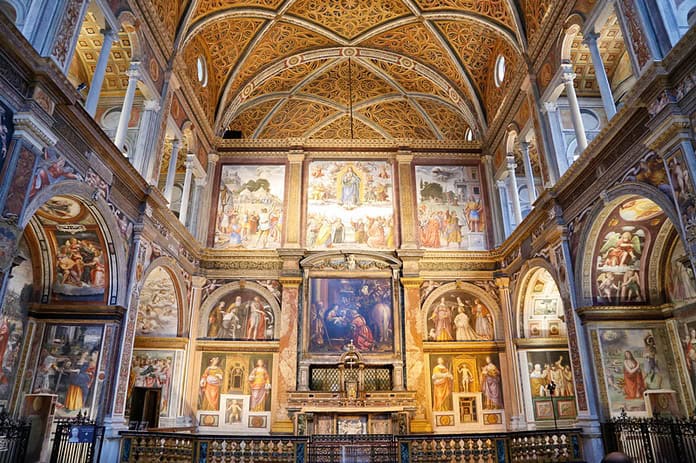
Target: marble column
{"x": 554, "y": 120}
{"x": 143, "y": 151}
{"x": 293, "y": 224}
{"x": 507, "y": 308}
{"x": 528, "y": 172}
{"x": 209, "y": 199}
{"x": 568, "y": 76}
{"x": 409, "y": 215}
{"x": 122, "y": 130}
{"x": 185, "y": 196}
{"x": 110, "y": 36}
{"x": 505, "y": 209}
{"x": 514, "y": 194}
{"x": 198, "y": 184}
{"x": 493, "y": 200}
{"x": 600, "y": 74}
{"x": 171, "y": 171}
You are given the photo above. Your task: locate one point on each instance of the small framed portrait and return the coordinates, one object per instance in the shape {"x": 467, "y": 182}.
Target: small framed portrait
{"x": 258, "y": 421}
{"x": 565, "y": 409}
{"x": 444, "y": 420}
{"x": 543, "y": 409}
{"x": 554, "y": 328}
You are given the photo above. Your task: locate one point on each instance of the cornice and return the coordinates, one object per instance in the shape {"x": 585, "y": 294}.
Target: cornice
{"x": 307, "y": 144}
{"x": 625, "y": 312}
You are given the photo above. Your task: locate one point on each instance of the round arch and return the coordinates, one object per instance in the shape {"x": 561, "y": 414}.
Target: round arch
{"x": 171, "y": 267}
{"x": 472, "y": 289}
{"x": 214, "y": 298}
{"x": 127, "y": 20}
{"x": 529, "y": 270}
{"x": 596, "y": 220}
{"x": 108, "y": 226}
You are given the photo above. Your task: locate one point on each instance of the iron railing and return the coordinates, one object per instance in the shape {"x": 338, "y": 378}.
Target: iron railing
{"x": 14, "y": 436}
{"x": 77, "y": 440}
{"x": 652, "y": 440}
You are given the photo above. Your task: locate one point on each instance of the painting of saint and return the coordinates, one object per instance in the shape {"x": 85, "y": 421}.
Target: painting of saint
{"x": 158, "y": 306}
{"x": 442, "y": 386}
{"x": 68, "y": 365}
{"x": 679, "y": 277}
{"x": 459, "y": 316}
{"x": 250, "y": 207}
{"x": 491, "y": 386}
{"x": 689, "y": 345}
{"x": 260, "y": 386}
{"x": 6, "y": 132}
{"x": 547, "y": 367}
{"x": 210, "y": 384}
{"x": 350, "y": 204}
{"x": 450, "y": 208}
{"x": 152, "y": 368}
{"x": 241, "y": 314}
{"x": 632, "y": 362}
{"x": 80, "y": 265}
{"x": 623, "y": 250}
{"x": 344, "y": 310}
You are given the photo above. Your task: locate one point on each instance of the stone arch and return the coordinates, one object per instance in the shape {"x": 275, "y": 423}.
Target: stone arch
{"x": 130, "y": 24}
{"x": 573, "y": 26}
{"x": 216, "y": 296}
{"x": 595, "y": 222}
{"x": 530, "y": 269}
{"x": 171, "y": 267}
{"x": 13, "y": 10}
{"x": 108, "y": 225}
{"x": 472, "y": 289}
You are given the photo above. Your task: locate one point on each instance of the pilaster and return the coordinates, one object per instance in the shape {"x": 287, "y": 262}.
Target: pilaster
{"x": 293, "y": 209}
{"x": 404, "y": 160}
{"x": 514, "y": 407}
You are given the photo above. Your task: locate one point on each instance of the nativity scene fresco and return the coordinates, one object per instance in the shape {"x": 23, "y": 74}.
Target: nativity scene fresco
{"x": 623, "y": 250}
{"x": 451, "y": 211}
{"x": 459, "y": 316}
{"x": 241, "y": 314}
{"x": 158, "y": 308}
{"x": 250, "y": 207}
{"x": 345, "y": 310}
{"x": 350, "y": 204}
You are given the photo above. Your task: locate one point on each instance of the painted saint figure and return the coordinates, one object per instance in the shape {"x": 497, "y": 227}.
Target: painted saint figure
{"x": 491, "y": 386}
{"x": 256, "y": 321}
{"x": 350, "y": 193}
{"x": 211, "y": 381}
{"x": 634, "y": 384}
{"x": 484, "y": 320}
{"x": 260, "y": 384}
{"x": 464, "y": 331}
{"x": 442, "y": 387}
{"x": 467, "y": 377}
{"x": 442, "y": 317}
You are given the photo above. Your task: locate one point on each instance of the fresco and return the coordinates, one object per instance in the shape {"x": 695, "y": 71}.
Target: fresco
{"x": 459, "y": 316}
{"x": 241, "y": 314}
{"x": 623, "y": 250}
{"x": 466, "y": 375}
{"x": 158, "y": 307}
{"x": 62, "y": 209}
{"x": 451, "y": 213}
{"x": 246, "y": 376}
{"x": 341, "y": 310}
{"x": 679, "y": 275}
{"x": 14, "y": 308}
{"x": 633, "y": 361}
{"x": 350, "y": 204}
{"x": 543, "y": 307}
{"x": 250, "y": 207}
{"x": 6, "y": 132}
{"x": 683, "y": 187}
{"x": 80, "y": 266}
{"x": 51, "y": 168}
{"x": 68, "y": 367}
{"x": 551, "y": 368}
{"x": 152, "y": 368}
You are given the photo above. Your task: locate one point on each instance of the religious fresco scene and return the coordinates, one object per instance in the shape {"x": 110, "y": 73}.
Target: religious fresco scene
{"x": 350, "y": 204}
{"x": 451, "y": 212}
{"x": 250, "y": 207}
{"x": 269, "y": 230}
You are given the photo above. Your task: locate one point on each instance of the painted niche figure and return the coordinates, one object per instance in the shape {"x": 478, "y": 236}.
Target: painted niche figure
{"x": 467, "y": 377}
{"x": 260, "y": 384}
{"x": 690, "y": 354}
{"x": 473, "y": 214}
{"x": 234, "y": 412}
{"x": 350, "y": 193}
{"x": 491, "y": 387}
{"x": 211, "y": 381}
{"x": 81, "y": 380}
{"x": 256, "y": 321}
{"x": 464, "y": 331}
{"x": 442, "y": 316}
{"x": 484, "y": 320}
{"x": 537, "y": 381}
{"x": 442, "y": 387}
{"x": 215, "y": 320}
{"x": 634, "y": 384}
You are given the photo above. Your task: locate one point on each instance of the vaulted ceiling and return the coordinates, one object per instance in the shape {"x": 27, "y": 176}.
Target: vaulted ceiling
{"x": 414, "y": 68}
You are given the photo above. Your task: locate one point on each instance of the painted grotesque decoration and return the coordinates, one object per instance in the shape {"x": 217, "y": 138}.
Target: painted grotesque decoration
{"x": 153, "y": 368}
{"x": 68, "y": 365}
{"x": 623, "y": 251}
{"x": 684, "y": 192}
{"x": 467, "y": 389}
{"x": 250, "y": 207}
{"x": 12, "y": 320}
{"x": 450, "y": 208}
{"x": 543, "y": 307}
{"x": 551, "y": 385}
{"x": 679, "y": 275}
{"x": 6, "y": 132}
{"x": 350, "y": 204}
{"x": 158, "y": 306}
{"x": 459, "y": 316}
{"x": 235, "y": 389}
{"x": 345, "y": 310}
{"x": 242, "y": 313}
{"x": 634, "y": 361}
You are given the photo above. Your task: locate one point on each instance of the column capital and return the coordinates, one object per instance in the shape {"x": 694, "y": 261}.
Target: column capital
{"x": 134, "y": 71}
{"x": 109, "y": 34}
{"x": 511, "y": 164}
{"x": 524, "y": 146}
{"x": 412, "y": 282}
{"x": 501, "y": 184}
{"x": 568, "y": 76}
{"x": 549, "y": 107}
{"x": 200, "y": 181}
{"x": 296, "y": 156}
{"x": 213, "y": 158}
{"x": 198, "y": 281}
{"x": 502, "y": 282}
{"x": 590, "y": 38}
{"x": 404, "y": 157}
{"x": 151, "y": 105}
{"x": 176, "y": 144}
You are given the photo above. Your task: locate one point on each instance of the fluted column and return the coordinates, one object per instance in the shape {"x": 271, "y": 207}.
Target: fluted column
{"x": 528, "y": 172}
{"x": 293, "y": 225}
{"x": 568, "y": 77}
{"x": 496, "y": 213}
{"x": 600, "y": 74}
{"x": 409, "y": 218}
{"x": 183, "y": 211}
{"x": 122, "y": 130}
{"x": 110, "y": 36}
{"x": 514, "y": 194}
{"x": 552, "y": 116}
{"x": 171, "y": 171}
{"x": 144, "y": 144}
{"x": 505, "y": 208}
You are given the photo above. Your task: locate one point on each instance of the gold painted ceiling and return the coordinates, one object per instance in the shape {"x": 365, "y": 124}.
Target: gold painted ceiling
{"x": 419, "y": 69}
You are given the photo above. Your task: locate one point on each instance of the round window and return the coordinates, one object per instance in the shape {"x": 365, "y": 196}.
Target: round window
{"x": 499, "y": 70}
{"x": 202, "y": 69}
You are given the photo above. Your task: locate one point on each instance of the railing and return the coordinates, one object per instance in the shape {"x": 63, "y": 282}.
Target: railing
{"x": 14, "y": 435}
{"x": 77, "y": 440}
{"x": 529, "y": 447}
{"x": 652, "y": 440}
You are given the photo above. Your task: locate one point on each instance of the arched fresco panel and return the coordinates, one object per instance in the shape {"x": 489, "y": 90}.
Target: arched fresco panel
{"x": 158, "y": 307}
{"x": 679, "y": 276}
{"x": 459, "y": 315}
{"x": 542, "y": 307}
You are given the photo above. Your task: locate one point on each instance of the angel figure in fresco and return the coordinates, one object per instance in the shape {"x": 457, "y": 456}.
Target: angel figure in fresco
{"x": 620, "y": 249}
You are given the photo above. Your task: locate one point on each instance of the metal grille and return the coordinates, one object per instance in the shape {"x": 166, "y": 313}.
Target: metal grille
{"x": 324, "y": 379}
{"x": 361, "y": 448}
{"x": 14, "y": 435}
{"x": 77, "y": 440}
{"x": 378, "y": 379}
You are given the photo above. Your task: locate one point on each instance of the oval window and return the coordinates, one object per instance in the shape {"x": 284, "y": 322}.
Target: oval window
{"x": 499, "y": 70}
{"x": 202, "y": 69}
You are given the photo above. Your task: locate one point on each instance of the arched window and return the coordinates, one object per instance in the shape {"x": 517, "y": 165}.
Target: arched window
{"x": 499, "y": 70}
{"x": 202, "y": 70}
